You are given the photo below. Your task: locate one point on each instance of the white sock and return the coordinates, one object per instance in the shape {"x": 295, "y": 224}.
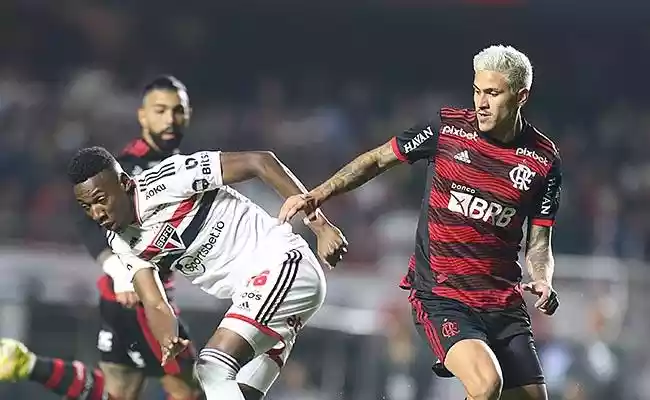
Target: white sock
{"x": 217, "y": 372}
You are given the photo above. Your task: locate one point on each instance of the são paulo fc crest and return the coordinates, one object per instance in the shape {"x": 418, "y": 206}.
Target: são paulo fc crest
{"x": 521, "y": 177}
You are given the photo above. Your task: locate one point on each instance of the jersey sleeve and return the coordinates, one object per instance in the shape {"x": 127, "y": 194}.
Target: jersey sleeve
{"x": 417, "y": 143}
{"x": 130, "y": 261}
{"x": 548, "y": 201}
{"x": 183, "y": 175}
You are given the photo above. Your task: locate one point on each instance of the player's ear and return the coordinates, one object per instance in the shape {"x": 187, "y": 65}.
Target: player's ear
{"x": 522, "y": 96}
{"x": 142, "y": 119}
{"x": 188, "y": 115}
{"x": 126, "y": 182}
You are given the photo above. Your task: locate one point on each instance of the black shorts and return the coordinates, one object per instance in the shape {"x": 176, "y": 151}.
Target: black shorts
{"x": 443, "y": 322}
{"x": 125, "y": 339}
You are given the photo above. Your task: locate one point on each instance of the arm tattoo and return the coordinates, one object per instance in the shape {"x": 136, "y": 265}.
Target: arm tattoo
{"x": 359, "y": 171}
{"x": 539, "y": 256}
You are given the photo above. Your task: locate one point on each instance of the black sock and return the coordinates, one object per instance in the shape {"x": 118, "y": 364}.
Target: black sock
{"x": 70, "y": 379}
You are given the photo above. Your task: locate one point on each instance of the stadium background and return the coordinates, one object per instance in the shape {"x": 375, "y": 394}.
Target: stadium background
{"x": 317, "y": 84}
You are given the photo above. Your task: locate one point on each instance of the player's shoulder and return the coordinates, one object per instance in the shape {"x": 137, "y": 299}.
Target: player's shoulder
{"x": 456, "y": 113}
{"x": 542, "y": 142}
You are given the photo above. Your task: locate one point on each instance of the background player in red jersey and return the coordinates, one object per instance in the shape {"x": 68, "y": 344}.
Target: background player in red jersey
{"x": 129, "y": 351}
{"x": 489, "y": 171}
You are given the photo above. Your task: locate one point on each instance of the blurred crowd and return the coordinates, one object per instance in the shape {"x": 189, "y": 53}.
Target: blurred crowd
{"x": 606, "y": 178}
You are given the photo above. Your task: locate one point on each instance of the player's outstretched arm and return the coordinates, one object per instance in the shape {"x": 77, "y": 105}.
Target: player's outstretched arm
{"x": 356, "y": 173}
{"x": 540, "y": 264}
{"x": 240, "y": 166}
{"x": 359, "y": 171}
{"x": 160, "y": 315}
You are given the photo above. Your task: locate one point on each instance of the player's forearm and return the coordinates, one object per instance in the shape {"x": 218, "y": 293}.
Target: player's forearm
{"x": 162, "y": 321}
{"x": 540, "y": 265}
{"x": 275, "y": 174}
{"x": 160, "y": 315}
{"x": 361, "y": 170}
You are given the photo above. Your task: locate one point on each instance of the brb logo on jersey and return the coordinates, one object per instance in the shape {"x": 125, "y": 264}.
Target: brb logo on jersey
{"x": 192, "y": 265}
{"x": 465, "y": 202}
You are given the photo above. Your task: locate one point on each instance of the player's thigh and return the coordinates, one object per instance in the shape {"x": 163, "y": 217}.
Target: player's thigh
{"x": 273, "y": 304}
{"x": 520, "y": 364}
{"x": 121, "y": 381}
{"x": 123, "y": 378}
{"x": 513, "y": 343}
{"x": 457, "y": 336}
{"x": 180, "y": 387}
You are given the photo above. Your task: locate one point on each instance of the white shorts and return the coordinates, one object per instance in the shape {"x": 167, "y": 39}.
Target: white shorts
{"x": 269, "y": 309}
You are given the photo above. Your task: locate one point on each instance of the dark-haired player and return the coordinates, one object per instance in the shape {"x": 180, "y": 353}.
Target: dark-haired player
{"x": 182, "y": 215}
{"x": 489, "y": 170}
{"x": 129, "y": 351}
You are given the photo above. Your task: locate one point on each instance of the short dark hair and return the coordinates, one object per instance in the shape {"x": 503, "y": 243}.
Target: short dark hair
{"x": 89, "y": 162}
{"x": 164, "y": 82}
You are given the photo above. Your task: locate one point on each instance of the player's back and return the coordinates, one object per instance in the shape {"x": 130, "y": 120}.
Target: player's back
{"x": 190, "y": 222}
{"x": 480, "y": 192}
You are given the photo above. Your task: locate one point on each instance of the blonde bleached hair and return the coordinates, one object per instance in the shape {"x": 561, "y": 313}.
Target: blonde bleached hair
{"x": 512, "y": 63}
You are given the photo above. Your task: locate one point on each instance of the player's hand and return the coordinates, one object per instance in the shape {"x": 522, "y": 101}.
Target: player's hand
{"x": 332, "y": 245}
{"x": 296, "y": 203}
{"x": 127, "y": 299}
{"x": 547, "y": 301}
{"x": 172, "y": 347}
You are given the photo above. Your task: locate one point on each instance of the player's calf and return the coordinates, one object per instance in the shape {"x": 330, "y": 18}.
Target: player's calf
{"x": 476, "y": 366}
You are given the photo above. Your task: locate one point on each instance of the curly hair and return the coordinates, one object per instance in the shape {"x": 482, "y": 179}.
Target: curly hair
{"x": 89, "y": 162}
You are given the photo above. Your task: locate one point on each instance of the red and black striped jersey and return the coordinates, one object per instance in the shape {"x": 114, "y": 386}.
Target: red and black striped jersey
{"x": 479, "y": 193}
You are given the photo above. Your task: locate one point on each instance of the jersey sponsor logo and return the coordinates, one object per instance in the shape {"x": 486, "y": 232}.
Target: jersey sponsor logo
{"x": 154, "y": 191}
{"x": 475, "y": 207}
{"x": 418, "y": 140}
{"x": 168, "y": 239}
{"x": 551, "y": 196}
{"x": 203, "y": 162}
{"x": 459, "y": 132}
{"x": 462, "y": 188}
{"x": 521, "y": 151}
{"x": 193, "y": 264}
{"x": 521, "y": 177}
{"x": 463, "y": 157}
{"x": 200, "y": 185}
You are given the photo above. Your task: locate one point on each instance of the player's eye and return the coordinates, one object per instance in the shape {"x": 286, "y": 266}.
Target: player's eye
{"x": 101, "y": 200}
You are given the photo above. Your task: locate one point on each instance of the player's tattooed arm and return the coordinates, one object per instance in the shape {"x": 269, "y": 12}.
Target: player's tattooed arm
{"x": 160, "y": 315}
{"x": 539, "y": 255}
{"x": 359, "y": 171}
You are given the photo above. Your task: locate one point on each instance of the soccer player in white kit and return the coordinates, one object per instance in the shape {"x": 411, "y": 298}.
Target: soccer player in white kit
{"x": 181, "y": 215}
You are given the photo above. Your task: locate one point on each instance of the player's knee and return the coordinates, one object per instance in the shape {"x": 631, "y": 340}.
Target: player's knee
{"x": 476, "y": 366}
{"x": 216, "y": 366}
{"x": 485, "y": 386}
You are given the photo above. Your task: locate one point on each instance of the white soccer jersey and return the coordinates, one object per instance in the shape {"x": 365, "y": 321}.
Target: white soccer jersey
{"x": 189, "y": 221}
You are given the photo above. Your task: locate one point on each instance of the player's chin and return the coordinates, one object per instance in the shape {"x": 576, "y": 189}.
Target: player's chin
{"x": 486, "y": 126}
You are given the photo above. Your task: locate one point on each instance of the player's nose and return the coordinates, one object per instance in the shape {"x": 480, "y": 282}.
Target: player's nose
{"x": 97, "y": 213}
